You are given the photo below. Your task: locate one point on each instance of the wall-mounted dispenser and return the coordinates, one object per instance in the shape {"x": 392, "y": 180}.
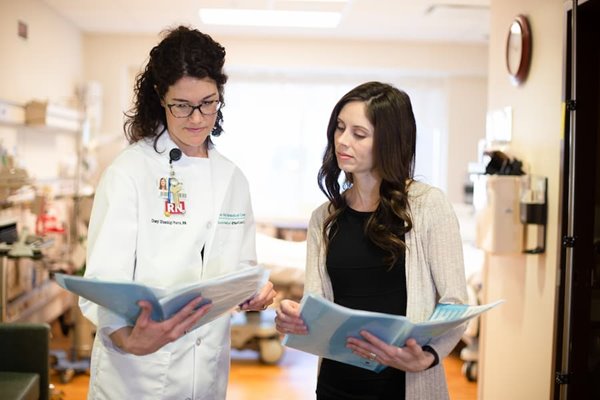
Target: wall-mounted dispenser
{"x": 496, "y": 202}
{"x": 534, "y": 211}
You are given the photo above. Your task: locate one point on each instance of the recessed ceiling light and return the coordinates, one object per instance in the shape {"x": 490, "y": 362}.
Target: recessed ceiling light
{"x": 272, "y": 18}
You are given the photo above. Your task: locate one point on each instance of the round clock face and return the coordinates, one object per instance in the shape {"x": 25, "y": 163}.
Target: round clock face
{"x": 518, "y": 49}
{"x": 514, "y": 51}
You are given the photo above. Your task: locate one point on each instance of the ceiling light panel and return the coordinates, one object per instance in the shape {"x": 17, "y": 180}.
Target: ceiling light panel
{"x": 270, "y": 18}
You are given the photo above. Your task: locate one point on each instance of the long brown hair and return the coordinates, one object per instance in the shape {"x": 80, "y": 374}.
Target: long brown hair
{"x": 394, "y": 143}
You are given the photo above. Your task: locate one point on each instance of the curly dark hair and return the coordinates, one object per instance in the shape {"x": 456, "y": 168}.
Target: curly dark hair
{"x": 394, "y": 144}
{"x": 182, "y": 52}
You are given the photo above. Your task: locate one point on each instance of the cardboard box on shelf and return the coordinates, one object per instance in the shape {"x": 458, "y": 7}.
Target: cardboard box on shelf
{"x": 52, "y": 115}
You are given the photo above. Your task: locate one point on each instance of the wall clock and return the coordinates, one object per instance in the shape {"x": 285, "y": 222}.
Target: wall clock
{"x": 518, "y": 49}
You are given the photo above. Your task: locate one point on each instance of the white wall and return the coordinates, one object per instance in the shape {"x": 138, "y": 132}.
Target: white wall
{"x": 466, "y": 126}
{"x": 517, "y": 338}
{"x": 46, "y": 66}
{"x": 460, "y": 70}
{"x": 408, "y": 58}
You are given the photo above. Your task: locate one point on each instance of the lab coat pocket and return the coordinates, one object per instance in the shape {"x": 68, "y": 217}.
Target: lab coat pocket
{"x": 126, "y": 376}
{"x": 214, "y": 384}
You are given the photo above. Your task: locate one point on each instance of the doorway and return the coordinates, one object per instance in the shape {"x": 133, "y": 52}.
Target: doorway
{"x": 577, "y": 351}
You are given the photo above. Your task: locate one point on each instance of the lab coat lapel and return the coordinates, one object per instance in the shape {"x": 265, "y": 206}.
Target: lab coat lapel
{"x": 221, "y": 172}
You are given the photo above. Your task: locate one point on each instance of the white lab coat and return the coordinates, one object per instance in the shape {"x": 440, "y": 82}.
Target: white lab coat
{"x": 131, "y": 237}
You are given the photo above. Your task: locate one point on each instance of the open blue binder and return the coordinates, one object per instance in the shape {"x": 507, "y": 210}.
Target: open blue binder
{"x": 329, "y": 325}
{"x": 224, "y": 292}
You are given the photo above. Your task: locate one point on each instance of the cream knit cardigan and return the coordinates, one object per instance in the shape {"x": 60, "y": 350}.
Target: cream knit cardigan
{"x": 434, "y": 274}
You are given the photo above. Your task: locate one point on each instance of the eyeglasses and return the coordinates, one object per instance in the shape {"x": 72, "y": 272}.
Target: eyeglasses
{"x": 184, "y": 110}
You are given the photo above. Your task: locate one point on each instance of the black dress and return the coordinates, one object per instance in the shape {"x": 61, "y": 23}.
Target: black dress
{"x": 361, "y": 281}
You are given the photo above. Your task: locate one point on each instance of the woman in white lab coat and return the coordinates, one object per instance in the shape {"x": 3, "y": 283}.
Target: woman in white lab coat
{"x": 170, "y": 210}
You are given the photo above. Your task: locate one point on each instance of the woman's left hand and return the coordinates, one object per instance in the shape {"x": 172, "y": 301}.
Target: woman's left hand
{"x": 262, "y": 300}
{"x": 410, "y": 358}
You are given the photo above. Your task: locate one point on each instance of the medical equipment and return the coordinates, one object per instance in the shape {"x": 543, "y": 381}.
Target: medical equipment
{"x": 256, "y": 331}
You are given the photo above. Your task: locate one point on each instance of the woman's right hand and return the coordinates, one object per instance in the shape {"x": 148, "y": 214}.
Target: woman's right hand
{"x": 147, "y": 335}
{"x": 288, "y": 318}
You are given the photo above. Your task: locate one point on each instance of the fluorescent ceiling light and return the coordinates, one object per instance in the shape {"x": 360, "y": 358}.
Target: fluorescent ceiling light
{"x": 277, "y": 18}
{"x": 315, "y": 1}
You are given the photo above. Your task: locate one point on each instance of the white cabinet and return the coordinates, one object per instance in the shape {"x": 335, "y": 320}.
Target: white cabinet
{"x": 496, "y": 201}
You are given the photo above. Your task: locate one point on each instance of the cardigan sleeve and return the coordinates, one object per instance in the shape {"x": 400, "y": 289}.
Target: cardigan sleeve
{"x": 313, "y": 281}
{"x": 444, "y": 256}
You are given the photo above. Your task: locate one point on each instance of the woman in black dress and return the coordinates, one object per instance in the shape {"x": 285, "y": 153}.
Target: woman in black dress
{"x": 382, "y": 242}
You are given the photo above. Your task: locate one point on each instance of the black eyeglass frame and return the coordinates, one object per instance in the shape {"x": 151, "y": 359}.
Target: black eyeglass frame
{"x": 198, "y": 107}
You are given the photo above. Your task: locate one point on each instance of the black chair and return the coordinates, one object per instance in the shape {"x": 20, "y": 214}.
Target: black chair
{"x": 24, "y": 364}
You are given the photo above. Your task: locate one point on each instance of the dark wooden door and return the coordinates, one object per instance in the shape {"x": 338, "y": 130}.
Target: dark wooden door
{"x": 578, "y": 328}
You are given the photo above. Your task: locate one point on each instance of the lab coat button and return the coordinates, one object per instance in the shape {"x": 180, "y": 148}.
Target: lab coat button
{"x": 208, "y": 225}
{"x": 198, "y": 341}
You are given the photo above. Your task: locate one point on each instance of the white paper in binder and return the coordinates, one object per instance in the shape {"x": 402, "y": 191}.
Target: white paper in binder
{"x": 496, "y": 202}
